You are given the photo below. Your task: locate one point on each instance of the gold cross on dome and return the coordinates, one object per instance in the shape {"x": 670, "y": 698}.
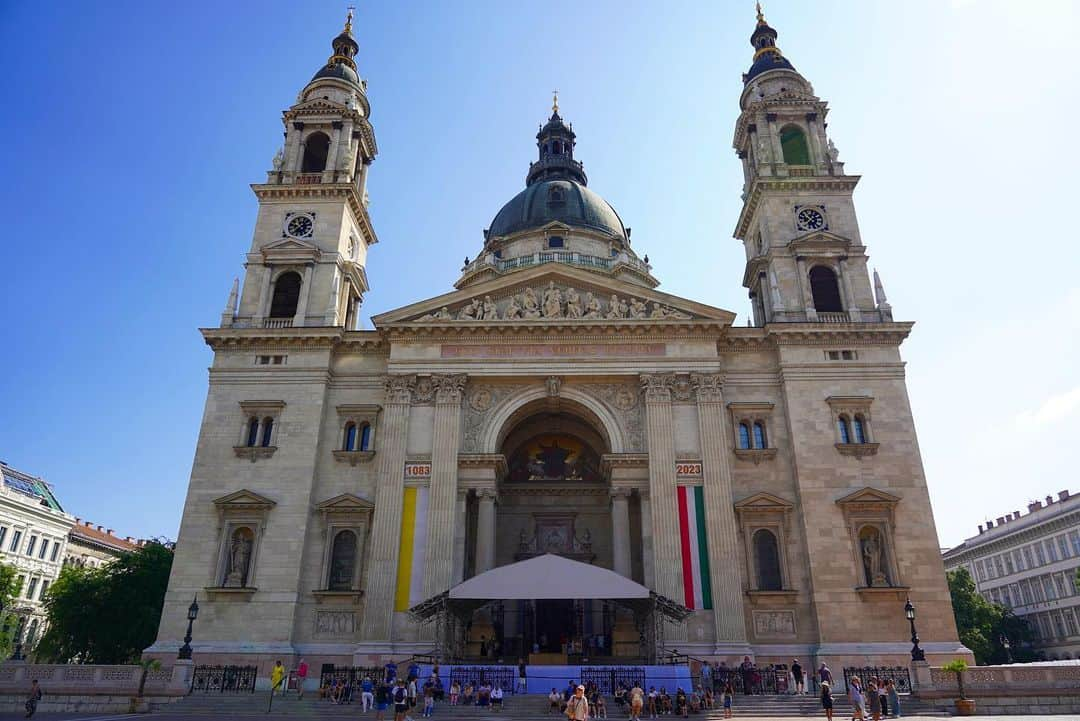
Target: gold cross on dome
{"x": 555, "y": 101}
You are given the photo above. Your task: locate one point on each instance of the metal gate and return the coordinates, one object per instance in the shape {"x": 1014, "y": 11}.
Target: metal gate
{"x": 899, "y": 675}
{"x": 609, "y": 678}
{"x": 502, "y": 676}
{"x": 223, "y": 679}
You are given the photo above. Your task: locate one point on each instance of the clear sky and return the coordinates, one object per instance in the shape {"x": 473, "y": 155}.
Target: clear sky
{"x": 133, "y": 129}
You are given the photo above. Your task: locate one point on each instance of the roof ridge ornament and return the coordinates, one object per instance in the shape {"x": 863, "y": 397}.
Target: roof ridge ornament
{"x": 760, "y": 15}
{"x": 555, "y": 101}
{"x": 352, "y": 8}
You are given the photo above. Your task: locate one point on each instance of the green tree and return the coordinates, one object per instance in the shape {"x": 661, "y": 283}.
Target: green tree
{"x": 10, "y": 588}
{"x": 982, "y": 625}
{"x": 110, "y": 614}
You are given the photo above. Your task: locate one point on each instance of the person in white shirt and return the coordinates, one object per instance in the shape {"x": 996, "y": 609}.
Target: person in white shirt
{"x": 496, "y": 697}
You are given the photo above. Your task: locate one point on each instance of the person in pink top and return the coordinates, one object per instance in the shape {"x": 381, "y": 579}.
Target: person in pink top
{"x": 301, "y": 677}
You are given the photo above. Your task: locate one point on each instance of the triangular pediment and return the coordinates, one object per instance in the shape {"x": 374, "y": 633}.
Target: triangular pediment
{"x": 764, "y": 502}
{"x": 869, "y": 495}
{"x": 531, "y": 296}
{"x": 290, "y": 250}
{"x": 244, "y": 499}
{"x": 822, "y": 239}
{"x": 317, "y": 105}
{"x": 346, "y": 503}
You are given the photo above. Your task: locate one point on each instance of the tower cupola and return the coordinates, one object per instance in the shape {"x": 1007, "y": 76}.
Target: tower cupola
{"x": 766, "y": 55}
{"x": 341, "y": 64}
{"x": 555, "y": 142}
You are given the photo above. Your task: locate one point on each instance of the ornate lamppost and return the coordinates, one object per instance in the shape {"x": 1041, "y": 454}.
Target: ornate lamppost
{"x": 192, "y": 614}
{"x": 1007, "y": 645}
{"x": 917, "y": 654}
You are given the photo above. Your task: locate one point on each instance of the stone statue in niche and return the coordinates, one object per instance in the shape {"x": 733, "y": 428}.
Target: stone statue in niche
{"x": 530, "y": 305}
{"x": 874, "y": 558}
{"x": 513, "y": 310}
{"x": 239, "y": 558}
{"x": 592, "y": 306}
{"x": 553, "y": 299}
{"x": 573, "y": 304}
{"x": 490, "y": 311}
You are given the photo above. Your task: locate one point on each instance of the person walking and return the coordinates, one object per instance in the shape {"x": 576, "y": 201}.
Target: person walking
{"x": 894, "y": 698}
{"x": 367, "y": 699}
{"x": 883, "y": 697}
{"x": 521, "y": 680}
{"x": 301, "y": 678}
{"x": 797, "y": 673}
{"x": 400, "y": 697}
{"x": 382, "y": 700}
{"x": 874, "y": 700}
{"x": 729, "y": 691}
{"x": 858, "y": 710}
{"x": 577, "y": 706}
{"x": 826, "y": 699}
{"x": 277, "y": 675}
{"x": 746, "y": 668}
{"x": 33, "y": 698}
{"x": 637, "y": 702}
{"x": 429, "y": 699}
{"x": 824, "y": 674}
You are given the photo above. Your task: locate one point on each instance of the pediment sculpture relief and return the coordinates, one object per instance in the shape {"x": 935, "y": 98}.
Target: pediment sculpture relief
{"x": 554, "y": 302}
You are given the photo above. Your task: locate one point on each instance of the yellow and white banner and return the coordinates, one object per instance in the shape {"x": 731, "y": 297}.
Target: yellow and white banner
{"x": 410, "y": 571}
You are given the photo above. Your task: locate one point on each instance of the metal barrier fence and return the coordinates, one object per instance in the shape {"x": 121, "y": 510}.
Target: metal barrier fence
{"x": 609, "y": 678}
{"x": 351, "y": 676}
{"x": 899, "y": 675}
{"x": 223, "y": 679}
{"x": 502, "y": 676}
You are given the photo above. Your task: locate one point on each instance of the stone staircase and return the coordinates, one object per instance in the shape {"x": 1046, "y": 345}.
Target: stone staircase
{"x": 532, "y": 708}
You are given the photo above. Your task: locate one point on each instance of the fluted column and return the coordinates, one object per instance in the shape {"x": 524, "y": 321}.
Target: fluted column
{"x": 620, "y": 531}
{"x": 461, "y": 529}
{"x": 439, "y": 556}
{"x": 386, "y": 524}
{"x": 485, "y": 531}
{"x": 725, "y": 563}
{"x": 667, "y": 559}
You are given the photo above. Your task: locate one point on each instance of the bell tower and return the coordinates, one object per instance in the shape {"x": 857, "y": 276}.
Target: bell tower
{"x": 805, "y": 260}
{"x": 309, "y": 251}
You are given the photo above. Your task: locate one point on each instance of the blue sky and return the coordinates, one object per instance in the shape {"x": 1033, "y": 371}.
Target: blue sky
{"x": 134, "y": 128}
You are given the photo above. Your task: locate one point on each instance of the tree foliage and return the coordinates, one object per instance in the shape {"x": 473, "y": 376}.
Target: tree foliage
{"x": 110, "y": 614}
{"x": 10, "y": 588}
{"x": 982, "y": 625}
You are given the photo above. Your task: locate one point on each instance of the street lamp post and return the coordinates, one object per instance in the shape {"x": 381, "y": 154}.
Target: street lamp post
{"x": 917, "y": 654}
{"x": 192, "y": 614}
{"x": 1007, "y": 646}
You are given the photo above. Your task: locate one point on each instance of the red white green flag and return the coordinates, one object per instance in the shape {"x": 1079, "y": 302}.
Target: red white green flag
{"x": 697, "y": 588}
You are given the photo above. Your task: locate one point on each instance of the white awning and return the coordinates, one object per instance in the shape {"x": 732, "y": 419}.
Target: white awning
{"x": 549, "y": 576}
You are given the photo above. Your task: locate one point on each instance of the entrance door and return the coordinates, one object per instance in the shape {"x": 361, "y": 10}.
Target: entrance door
{"x": 554, "y": 624}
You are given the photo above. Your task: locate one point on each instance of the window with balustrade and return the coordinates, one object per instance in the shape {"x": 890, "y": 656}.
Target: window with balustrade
{"x": 825, "y": 290}
{"x": 286, "y": 295}
{"x": 357, "y": 432}
{"x": 259, "y": 437}
{"x": 794, "y": 146}
{"x": 316, "y": 152}
{"x": 851, "y": 420}
{"x": 750, "y": 422}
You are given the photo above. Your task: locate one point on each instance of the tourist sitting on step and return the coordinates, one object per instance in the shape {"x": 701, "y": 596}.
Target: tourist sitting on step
{"x": 695, "y": 702}
{"x": 467, "y": 698}
{"x": 681, "y": 707}
{"x": 665, "y": 701}
{"x": 455, "y": 691}
{"x": 483, "y": 695}
{"x": 496, "y": 697}
{"x": 555, "y": 701}
{"x": 600, "y": 708}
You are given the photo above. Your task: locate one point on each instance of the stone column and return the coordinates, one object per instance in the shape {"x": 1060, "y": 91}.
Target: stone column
{"x": 774, "y": 140}
{"x": 461, "y": 526}
{"x": 620, "y": 531}
{"x": 647, "y": 569}
{"x": 485, "y": 531}
{"x": 389, "y": 496}
{"x": 804, "y": 288}
{"x": 667, "y": 559}
{"x": 332, "y": 153}
{"x": 295, "y": 163}
{"x": 817, "y": 158}
{"x": 264, "y": 297}
{"x": 849, "y": 294}
{"x": 725, "y": 561}
{"x": 305, "y": 293}
{"x": 439, "y": 556}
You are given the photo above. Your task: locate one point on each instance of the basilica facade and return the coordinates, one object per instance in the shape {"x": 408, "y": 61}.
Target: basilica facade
{"x": 762, "y": 483}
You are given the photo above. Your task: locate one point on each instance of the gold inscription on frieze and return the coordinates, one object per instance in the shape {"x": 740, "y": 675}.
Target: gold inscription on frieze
{"x": 556, "y": 350}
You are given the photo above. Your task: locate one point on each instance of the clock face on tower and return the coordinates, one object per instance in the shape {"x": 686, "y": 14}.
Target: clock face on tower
{"x": 299, "y": 226}
{"x": 810, "y": 219}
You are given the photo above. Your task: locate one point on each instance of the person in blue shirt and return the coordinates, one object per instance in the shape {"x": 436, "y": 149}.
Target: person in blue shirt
{"x": 367, "y": 699}
{"x": 569, "y": 691}
{"x": 391, "y": 672}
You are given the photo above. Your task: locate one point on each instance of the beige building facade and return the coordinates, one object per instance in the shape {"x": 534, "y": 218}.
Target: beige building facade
{"x": 1029, "y": 563}
{"x": 766, "y": 478}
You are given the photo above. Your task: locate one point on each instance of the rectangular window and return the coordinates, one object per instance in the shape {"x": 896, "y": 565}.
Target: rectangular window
{"x": 55, "y": 550}
{"x": 3, "y": 534}
{"x": 1059, "y": 624}
{"x": 998, "y": 566}
{"x": 30, "y": 546}
{"x": 979, "y": 576}
{"x": 1063, "y": 546}
{"x": 1044, "y": 626}
{"x": 1074, "y": 539}
{"x": 1037, "y": 591}
{"x": 1008, "y": 563}
{"x": 1018, "y": 559}
{"x": 1015, "y": 591}
{"x": 33, "y": 587}
{"x": 1006, "y": 599}
{"x": 1025, "y": 590}
{"x": 1059, "y": 583}
{"x": 1051, "y": 551}
{"x": 44, "y": 588}
{"x": 995, "y": 595}
{"x": 1039, "y": 554}
{"x": 16, "y": 541}
{"x": 22, "y": 583}
{"x": 1070, "y": 622}
{"x": 1028, "y": 563}
{"x": 44, "y": 548}
{"x": 1048, "y": 586}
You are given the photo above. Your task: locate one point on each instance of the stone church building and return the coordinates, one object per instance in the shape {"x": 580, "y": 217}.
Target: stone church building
{"x": 762, "y": 483}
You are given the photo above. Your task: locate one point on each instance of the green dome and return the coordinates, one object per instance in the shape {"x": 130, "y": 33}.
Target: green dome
{"x": 566, "y": 201}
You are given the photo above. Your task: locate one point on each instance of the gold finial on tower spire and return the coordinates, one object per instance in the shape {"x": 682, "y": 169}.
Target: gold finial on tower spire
{"x": 760, "y": 15}
{"x": 348, "y": 19}
{"x": 555, "y": 101}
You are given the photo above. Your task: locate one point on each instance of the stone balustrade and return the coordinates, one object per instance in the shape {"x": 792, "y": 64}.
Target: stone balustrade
{"x": 94, "y": 680}
{"x": 1029, "y": 679}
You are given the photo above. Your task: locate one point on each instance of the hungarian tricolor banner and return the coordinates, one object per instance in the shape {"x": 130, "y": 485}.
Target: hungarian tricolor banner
{"x": 697, "y": 588}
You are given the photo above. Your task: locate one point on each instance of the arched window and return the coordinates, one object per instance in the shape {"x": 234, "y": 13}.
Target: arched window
{"x": 316, "y": 150}
{"x": 759, "y": 435}
{"x": 842, "y": 426}
{"x": 365, "y": 437}
{"x": 744, "y": 435}
{"x": 794, "y": 146}
{"x": 350, "y": 437}
{"x": 253, "y": 432}
{"x": 267, "y": 431}
{"x": 857, "y": 427}
{"x": 825, "y": 289}
{"x": 286, "y": 295}
{"x": 556, "y": 147}
{"x": 767, "y": 561}
{"x": 342, "y": 561}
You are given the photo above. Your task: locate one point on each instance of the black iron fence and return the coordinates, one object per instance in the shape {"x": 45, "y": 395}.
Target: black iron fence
{"x": 899, "y": 675}
{"x": 609, "y": 678}
{"x": 755, "y": 681}
{"x": 504, "y": 677}
{"x": 223, "y": 679}
{"x": 350, "y": 676}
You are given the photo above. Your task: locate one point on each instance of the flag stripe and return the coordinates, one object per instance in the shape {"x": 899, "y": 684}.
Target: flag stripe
{"x": 405, "y": 550}
{"x": 684, "y": 538}
{"x": 695, "y": 552}
{"x": 703, "y": 550}
{"x": 416, "y": 590}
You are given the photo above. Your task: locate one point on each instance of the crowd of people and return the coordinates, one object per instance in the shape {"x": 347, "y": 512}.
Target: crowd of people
{"x": 635, "y": 702}
{"x": 879, "y": 699}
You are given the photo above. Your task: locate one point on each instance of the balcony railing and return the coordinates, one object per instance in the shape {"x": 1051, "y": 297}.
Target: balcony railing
{"x": 833, "y": 317}
{"x": 278, "y": 323}
{"x": 309, "y": 178}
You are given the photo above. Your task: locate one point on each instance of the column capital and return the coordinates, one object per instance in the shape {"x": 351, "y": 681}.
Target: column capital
{"x": 487, "y": 494}
{"x": 620, "y": 493}
{"x": 709, "y": 387}
{"x": 449, "y": 388}
{"x": 657, "y": 387}
{"x": 399, "y": 389}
